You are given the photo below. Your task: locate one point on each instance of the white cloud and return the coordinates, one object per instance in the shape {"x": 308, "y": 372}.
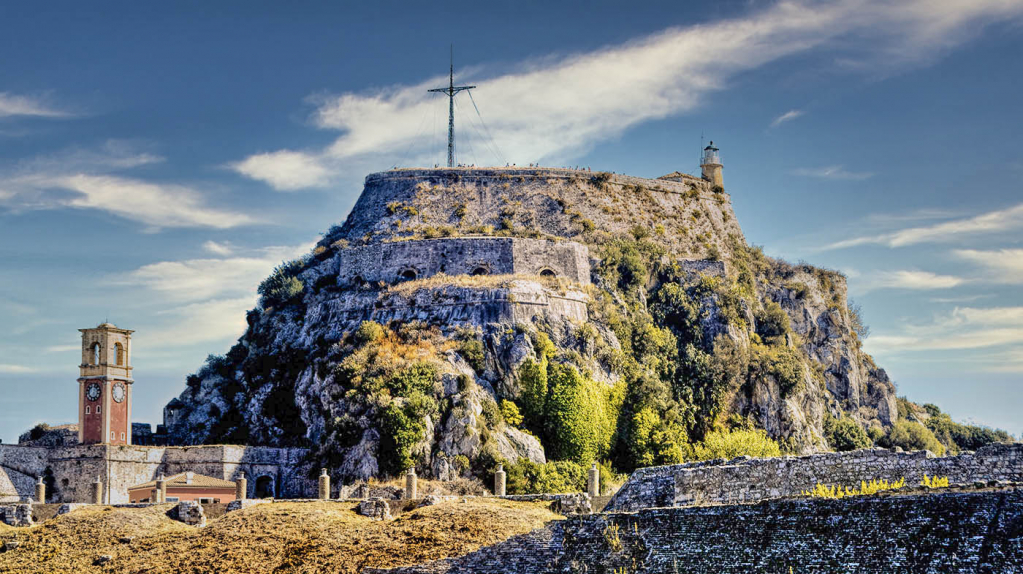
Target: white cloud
{"x": 1000, "y": 265}
{"x": 554, "y": 109}
{"x": 997, "y": 221}
{"x": 285, "y": 170}
{"x": 223, "y": 249}
{"x": 63, "y": 348}
{"x": 205, "y": 322}
{"x": 205, "y": 279}
{"x": 996, "y": 330}
{"x": 45, "y": 182}
{"x": 911, "y": 280}
{"x": 832, "y": 172}
{"x": 10, "y": 369}
{"x": 787, "y": 116}
{"x": 153, "y": 204}
{"x": 12, "y": 105}
{"x": 212, "y": 295}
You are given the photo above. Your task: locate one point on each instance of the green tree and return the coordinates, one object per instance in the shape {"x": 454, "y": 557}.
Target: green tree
{"x": 732, "y": 443}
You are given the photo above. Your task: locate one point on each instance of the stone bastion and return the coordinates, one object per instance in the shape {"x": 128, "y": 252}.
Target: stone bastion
{"x": 398, "y": 261}
{"x": 746, "y": 479}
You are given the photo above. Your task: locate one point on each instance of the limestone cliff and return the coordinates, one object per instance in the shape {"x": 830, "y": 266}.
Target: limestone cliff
{"x": 419, "y": 330}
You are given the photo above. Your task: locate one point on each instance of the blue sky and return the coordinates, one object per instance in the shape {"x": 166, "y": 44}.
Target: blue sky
{"x": 156, "y": 161}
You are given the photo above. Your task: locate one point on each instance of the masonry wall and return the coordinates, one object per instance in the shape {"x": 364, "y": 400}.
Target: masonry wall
{"x": 74, "y": 469}
{"x": 462, "y": 256}
{"x": 748, "y": 480}
{"x": 954, "y": 532}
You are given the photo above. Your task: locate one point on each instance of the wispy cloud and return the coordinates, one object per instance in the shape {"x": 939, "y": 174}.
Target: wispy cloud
{"x": 998, "y": 266}
{"x": 1002, "y": 220}
{"x": 786, "y": 117}
{"x": 222, "y": 249}
{"x": 965, "y": 329}
{"x": 10, "y": 369}
{"x": 554, "y": 109}
{"x": 832, "y": 172}
{"x": 207, "y": 298}
{"x": 963, "y": 299}
{"x": 910, "y": 280}
{"x": 14, "y": 105}
{"x": 86, "y": 179}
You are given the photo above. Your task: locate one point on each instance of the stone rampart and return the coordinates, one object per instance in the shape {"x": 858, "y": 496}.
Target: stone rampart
{"x": 520, "y": 301}
{"x": 418, "y": 259}
{"x": 952, "y": 532}
{"x": 754, "y": 479}
{"x": 281, "y": 472}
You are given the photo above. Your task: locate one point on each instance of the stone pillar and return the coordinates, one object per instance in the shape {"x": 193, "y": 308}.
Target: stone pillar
{"x": 161, "y": 489}
{"x": 241, "y": 487}
{"x": 97, "y": 491}
{"x": 500, "y": 480}
{"x": 362, "y": 491}
{"x": 410, "y": 483}
{"x": 593, "y": 481}
{"x": 41, "y": 491}
{"x": 324, "y": 484}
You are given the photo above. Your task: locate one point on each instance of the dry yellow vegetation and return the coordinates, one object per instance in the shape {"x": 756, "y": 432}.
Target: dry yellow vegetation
{"x": 279, "y": 537}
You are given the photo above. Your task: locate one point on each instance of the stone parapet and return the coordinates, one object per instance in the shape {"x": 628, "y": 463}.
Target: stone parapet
{"x": 752, "y": 479}
{"x": 421, "y": 258}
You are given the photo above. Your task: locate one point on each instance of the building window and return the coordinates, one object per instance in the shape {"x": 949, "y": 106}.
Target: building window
{"x": 172, "y": 499}
{"x": 122, "y": 436}
{"x": 95, "y": 353}
{"x": 97, "y": 409}
{"x": 88, "y": 410}
{"x": 112, "y": 435}
{"x": 119, "y": 349}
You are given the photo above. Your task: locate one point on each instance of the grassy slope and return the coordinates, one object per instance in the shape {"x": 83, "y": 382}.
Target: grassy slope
{"x": 279, "y": 537}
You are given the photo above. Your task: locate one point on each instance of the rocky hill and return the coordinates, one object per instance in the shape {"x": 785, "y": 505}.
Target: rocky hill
{"x": 464, "y": 317}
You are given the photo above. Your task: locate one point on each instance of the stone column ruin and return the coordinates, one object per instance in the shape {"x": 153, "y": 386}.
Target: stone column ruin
{"x": 410, "y": 483}
{"x": 500, "y": 481}
{"x": 97, "y": 491}
{"x": 324, "y": 485}
{"x": 593, "y": 481}
{"x": 161, "y": 489}
{"x": 41, "y": 491}
{"x": 241, "y": 487}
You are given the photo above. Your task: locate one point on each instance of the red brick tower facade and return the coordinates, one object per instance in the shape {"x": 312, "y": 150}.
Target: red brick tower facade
{"x": 104, "y": 386}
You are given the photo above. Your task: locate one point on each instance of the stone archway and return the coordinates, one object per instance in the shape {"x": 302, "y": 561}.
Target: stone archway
{"x": 264, "y": 487}
{"x": 548, "y": 273}
{"x": 480, "y": 270}
{"x": 408, "y": 275}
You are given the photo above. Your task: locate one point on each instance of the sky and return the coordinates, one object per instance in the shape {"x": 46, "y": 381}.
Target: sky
{"x": 158, "y": 159}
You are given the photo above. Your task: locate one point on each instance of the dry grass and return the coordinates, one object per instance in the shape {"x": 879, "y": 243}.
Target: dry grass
{"x": 279, "y": 537}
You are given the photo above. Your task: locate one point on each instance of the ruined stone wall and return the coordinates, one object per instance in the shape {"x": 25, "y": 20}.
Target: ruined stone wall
{"x": 74, "y": 469}
{"x": 514, "y": 301}
{"x": 387, "y": 262}
{"x": 749, "y": 480}
{"x": 953, "y": 532}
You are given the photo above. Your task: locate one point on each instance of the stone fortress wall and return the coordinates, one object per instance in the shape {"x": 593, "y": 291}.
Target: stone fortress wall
{"x": 949, "y": 532}
{"x": 70, "y": 471}
{"x": 746, "y": 480}
{"x": 419, "y": 259}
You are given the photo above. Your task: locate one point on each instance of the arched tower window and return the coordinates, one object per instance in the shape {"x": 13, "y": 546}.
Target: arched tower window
{"x": 481, "y": 270}
{"x": 408, "y": 275}
{"x": 549, "y": 273}
{"x": 119, "y": 348}
{"x": 95, "y": 353}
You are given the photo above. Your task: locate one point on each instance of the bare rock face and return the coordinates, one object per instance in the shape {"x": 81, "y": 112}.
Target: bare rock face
{"x": 507, "y": 261}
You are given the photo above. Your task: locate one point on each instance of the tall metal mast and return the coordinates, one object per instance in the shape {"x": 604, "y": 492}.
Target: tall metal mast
{"x": 451, "y": 90}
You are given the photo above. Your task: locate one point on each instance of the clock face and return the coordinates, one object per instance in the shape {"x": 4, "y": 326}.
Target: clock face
{"x": 92, "y": 392}
{"x": 118, "y": 392}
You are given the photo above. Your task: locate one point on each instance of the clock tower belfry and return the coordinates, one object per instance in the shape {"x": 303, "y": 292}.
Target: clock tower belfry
{"x": 104, "y": 386}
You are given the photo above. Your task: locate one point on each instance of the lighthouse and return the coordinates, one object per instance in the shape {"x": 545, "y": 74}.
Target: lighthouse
{"x": 710, "y": 163}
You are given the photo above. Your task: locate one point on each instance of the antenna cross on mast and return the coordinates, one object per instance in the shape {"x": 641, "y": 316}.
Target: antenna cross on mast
{"x": 451, "y": 90}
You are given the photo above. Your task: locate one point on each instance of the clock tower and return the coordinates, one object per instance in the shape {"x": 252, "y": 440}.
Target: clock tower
{"x": 104, "y": 386}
